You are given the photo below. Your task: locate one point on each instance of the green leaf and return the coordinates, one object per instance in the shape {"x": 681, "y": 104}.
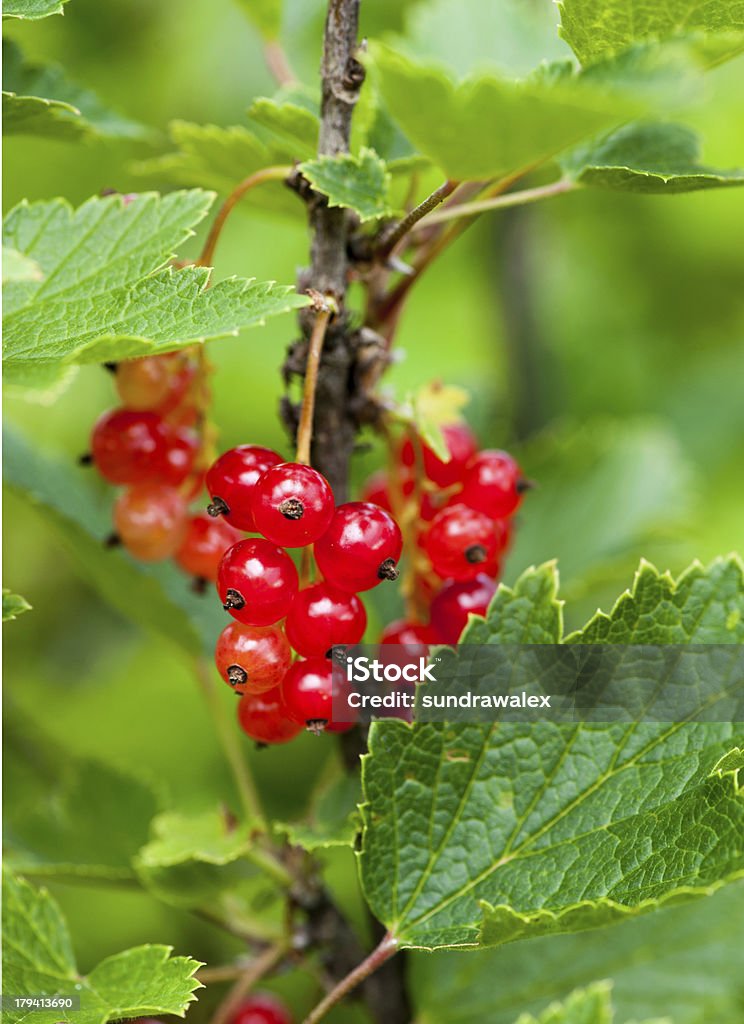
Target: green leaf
{"x": 584, "y": 1006}
{"x": 265, "y": 15}
{"x": 40, "y": 100}
{"x": 595, "y": 29}
{"x": 107, "y": 293}
{"x": 17, "y": 267}
{"x": 13, "y": 605}
{"x": 32, "y": 9}
{"x": 89, "y": 825}
{"x": 38, "y": 959}
{"x": 360, "y": 183}
{"x": 157, "y": 597}
{"x": 333, "y": 819}
{"x": 287, "y": 125}
{"x": 647, "y": 157}
{"x": 465, "y": 823}
{"x": 681, "y": 962}
{"x": 502, "y": 126}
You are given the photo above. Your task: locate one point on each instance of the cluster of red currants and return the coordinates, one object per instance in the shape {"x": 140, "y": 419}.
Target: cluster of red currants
{"x": 153, "y": 446}
{"x": 458, "y": 515}
{"x": 356, "y": 546}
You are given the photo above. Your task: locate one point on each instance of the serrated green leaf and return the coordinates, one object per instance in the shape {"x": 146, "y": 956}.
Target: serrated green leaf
{"x": 595, "y": 29}
{"x": 333, "y": 819}
{"x": 266, "y": 16}
{"x": 502, "y": 126}
{"x": 40, "y": 100}
{"x": 584, "y": 1006}
{"x": 38, "y": 959}
{"x": 89, "y": 825}
{"x": 32, "y": 9}
{"x": 649, "y": 158}
{"x": 157, "y": 597}
{"x": 107, "y": 293}
{"x": 13, "y": 605}
{"x": 682, "y": 962}
{"x": 543, "y": 828}
{"x": 287, "y": 125}
{"x": 17, "y": 267}
{"x": 359, "y": 183}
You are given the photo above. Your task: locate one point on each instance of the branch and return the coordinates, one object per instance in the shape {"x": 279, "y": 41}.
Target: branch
{"x": 387, "y": 948}
{"x": 528, "y": 195}
{"x": 279, "y": 173}
{"x": 397, "y": 232}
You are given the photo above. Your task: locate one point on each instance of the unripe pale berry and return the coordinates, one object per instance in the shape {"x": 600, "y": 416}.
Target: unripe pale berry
{"x": 205, "y": 543}
{"x": 150, "y": 520}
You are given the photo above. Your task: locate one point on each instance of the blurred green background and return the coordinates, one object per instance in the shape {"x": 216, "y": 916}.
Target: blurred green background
{"x": 601, "y": 336}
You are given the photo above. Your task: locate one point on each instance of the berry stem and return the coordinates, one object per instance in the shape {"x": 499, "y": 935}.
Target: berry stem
{"x": 379, "y": 955}
{"x": 250, "y": 976}
{"x": 396, "y": 232}
{"x": 499, "y": 202}
{"x": 278, "y": 63}
{"x": 277, "y": 173}
{"x": 325, "y": 307}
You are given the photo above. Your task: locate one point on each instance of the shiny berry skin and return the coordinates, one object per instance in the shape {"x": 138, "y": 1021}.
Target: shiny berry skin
{"x": 262, "y": 1008}
{"x": 493, "y": 484}
{"x": 292, "y": 504}
{"x": 409, "y": 634}
{"x": 360, "y": 548}
{"x": 322, "y": 616}
{"x": 150, "y": 520}
{"x": 230, "y": 481}
{"x": 257, "y": 582}
{"x": 453, "y": 604}
{"x": 130, "y": 447}
{"x": 263, "y": 717}
{"x": 252, "y": 659}
{"x": 461, "y": 543}
{"x": 205, "y": 543}
{"x": 144, "y": 383}
{"x": 462, "y": 446}
{"x": 182, "y": 445}
{"x": 307, "y": 690}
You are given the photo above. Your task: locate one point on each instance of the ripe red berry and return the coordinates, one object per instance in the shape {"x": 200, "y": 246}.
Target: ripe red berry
{"x": 230, "y": 481}
{"x": 252, "y": 659}
{"x": 182, "y": 445}
{"x": 205, "y": 543}
{"x": 462, "y": 543}
{"x": 292, "y": 504}
{"x": 462, "y": 446}
{"x": 360, "y": 548}
{"x": 493, "y": 484}
{"x": 130, "y": 447}
{"x": 453, "y": 604}
{"x": 409, "y": 634}
{"x": 150, "y": 519}
{"x": 322, "y": 616}
{"x": 256, "y": 582}
{"x": 262, "y": 1008}
{"x": 307, "y": 690}
{"x": 263, "y": 717}
{"x": 376, "y": 490}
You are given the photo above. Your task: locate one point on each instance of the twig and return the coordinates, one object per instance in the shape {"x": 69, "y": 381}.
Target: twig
{"x": 384, "y": 951}
{"x": 528, "y": 195}
{"x": 278, "y": 63}
{"x": 325, "y": 307}
{"x": 397, "y": 232}
{"x": 253, "y": 973}
{"x": 278, "y": 173}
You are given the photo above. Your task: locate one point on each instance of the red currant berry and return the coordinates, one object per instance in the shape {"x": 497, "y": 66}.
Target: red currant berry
{"x": 257, "y": 582}
{"x": 455, "y": 602}
{"x": 308, "y": 695}
{"x": 144, "y": 383}
{"x": 292, "y": 504}
{"x": 322, "y": 616}
{"x": 409, "y": 634}
{"x": 376, "y": 490}
{"x": 182, "y": 445}
{"x": 130, "y": 447}
{"x": 205, "y": 543}
{"x": 150, "y": 519}
{"x": 461, "y": 445}
{"x": 230, "y": 481}
{"x": 360, "y": 548}
{"x": 252, "y": 658}
{"x": 461, "y": 543}
{"x": 263, "y": 717}
{"x": 262, "y": 1008}
{"x": 493, "y": 483}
